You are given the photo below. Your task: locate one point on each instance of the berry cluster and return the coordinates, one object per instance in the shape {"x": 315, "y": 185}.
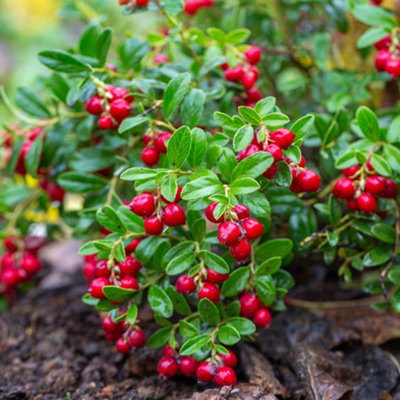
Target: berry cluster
{"x": 19, "y": 263}
{"x": 156, "y": 215}
{"x": 112, "y": 104}
{"x": 388, "y": 57}
{"x": 193, "y": 6}
{"x": 155, "y": 146}
{"x": 252, "y": 308}
{"x": 220, "y": 369}
{"x": 236, "y": 229}
{"x": 360, "y": 187}
{"x": 133, "y": 3}
{"x": 246, "y": 73}
{"x": 303, "y": 180}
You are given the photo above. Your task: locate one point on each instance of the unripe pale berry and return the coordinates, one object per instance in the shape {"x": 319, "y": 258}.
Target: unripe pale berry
{"x": 253, "y": 228}
{"x": 210, "y": 291}
{"x": 174, "y": 215}
{"x": 185, "y": 284}
{"x": 228, "y": 233}
{"x": 241, "y": 250}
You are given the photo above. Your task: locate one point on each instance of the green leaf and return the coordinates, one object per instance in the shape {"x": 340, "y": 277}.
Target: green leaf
{"x": 265, "y": 290}
{"x": 302, "y": 125}
{"x": 346, "y": 160}
{"x": 179, "y": 146}
{"x": 131, "y": 314}
{"x": 274, "y": 248}
{"x": 253, "y": 166}
{"x": 392, "y": 156}
{"x": 243, "y": 325}
{"x": 147, "y": 247}
{"x": 250, "y": 115}
{"x": 394, "y": 276}
{"x": 269, "y": 267}
{"x": 130, "y": 123}
{"x": 160, "y": 302}
{"x": 132, "y": 52}
{"x": 202, "y": 187}
{"x": 133, "y": 222}
{"x": 395, "y": 300}
{"x": 62, "y": 61}
{"x": 81, "y": 182}
{"x": 238, "y": 36}
{"x": 108, "y": 218}
{"x": 175, "y": 92}
{"x": 264, "y": 106}
{"x": 284, "y": 174}
{"x": 275, "y": 119}
{"x": 88, "y": 41}
{"x": 138, "y": 173}
{"x": 243, "y": 137}
{"x": 374, "y": 16}
{"x": 173, "y": 7}
{"x": 393, "y": 134}
{"x": 159, "y": 338}
{"x": 169, "y": 187}
{"x": 214, "y": 262}
{"x": 187, "y": 330}
{"x": 180, "y": 263}
{"x": 380, "y": 165}
{"x": 103, "y": 45}
{"x": 180, "y": 248}
{"x": 384, "y": 232}
{"x": 335, "y": 210}
{"x": 368, "y": 123}
{"x": 181, "y": 306}
{"x": 118, "y": 294}
{"x": 198, "y": 148}
{"x": 27, "y": 100}
{"x": 371, "y": 36}
{"x": 192, "y": 107}
{"x": 236, "y": 282}
{"x": 244, "y": 186}
{"x": 192, "y": 345}
{"x": 208, "y": 312}
{"x": 32, "y": 159}
{"x": 228, "y": 335}
{"x": 377, "y": 256}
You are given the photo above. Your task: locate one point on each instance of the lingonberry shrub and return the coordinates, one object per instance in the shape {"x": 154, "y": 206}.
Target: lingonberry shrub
{"x": 193, "y": 185}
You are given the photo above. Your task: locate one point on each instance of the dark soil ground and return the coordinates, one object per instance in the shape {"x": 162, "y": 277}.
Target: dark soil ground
{"x": 52, "y": 347}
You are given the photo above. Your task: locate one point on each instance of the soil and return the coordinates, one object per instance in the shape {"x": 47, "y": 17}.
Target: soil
{"x": 52, "y": 347}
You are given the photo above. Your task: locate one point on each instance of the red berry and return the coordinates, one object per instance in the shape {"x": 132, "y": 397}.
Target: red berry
{"x": 188, "y": 366}
{"x": 177, "y": 199}
{"x": 249, "y": 80}
{"x": 375, "y": 184}
{"x": 174, "y": 215}
{"x": 109, "y": 326}
{"x": 262, "y": 318}
{"x": 105, "y": 122}
{"x": 228, "y": 233}
{"x": 122, "y": 346}
{"x": 271, "y": 172}
{"x": 253, "y": 228}
{"x": 96, "y": 287}
{"x": 241, "y": 251}
{"x": 391, "y": 189}
{"x": 234, "y": 74}
{"x": 55, "y": 192}
{"x": 132, "y": 246}
{"x": 129, "y": 282}
{"x": 252, "y": 95}
{"x": 143, "y": 205}
{"x": 137, "y": 338}
{"x": 229, "y": 360}
{"x": 167, "y": 367}
{"x": 205, "y": 372}
{"x": 159, "y": 142}
{"x": 120, "y": 109}
{"x": 254, "y": 71}
{"x": 366, "y": 203}
{"x": 225, "y": 376}
{"x": 11, "y": 277}
{"x": 130, "y": 267}
{"x": 393, "y": 67}
{"x": 150, "y": 156}
{"x": 121, "y": 93}
{"x": 253, "y": 54}
{"x": 352, "y": 205}
{"x": 147, "y": 139}
{"x": 344, "y": 188}
{"x": 275, "y": 151}
{"x": 191, "y": 7}
{"x": 216, "y": 277}
{"x": 241, "y": 211}
{"x": 169, "y": 351}
{"x": 161, "y": 59}
{"x": 30, "y": 263}
{"x": 101, "y": 270}
{"x": 153, "y": 225}
{"x": 381, "y": 59}
{"x": 350, "y": 171}
{"x": 210, "y": 213}
{"x": 248, "y": 151}
{"x": 89, "y": 272}
{"x": 283, "y": 137}
{"x": 384, "y": 43}
{"x": 20, "y": 167}
{"x": 94, "y": 105}
{"x": 185, "y": 284}
{"x": 370, "y": 167}
{"x": 210, "y": 291}
{"x": 142, "y": 3}
{"x": 10, "y": 244}
{"x": 249, "y": 304}
{"x": 308, "y": 180}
